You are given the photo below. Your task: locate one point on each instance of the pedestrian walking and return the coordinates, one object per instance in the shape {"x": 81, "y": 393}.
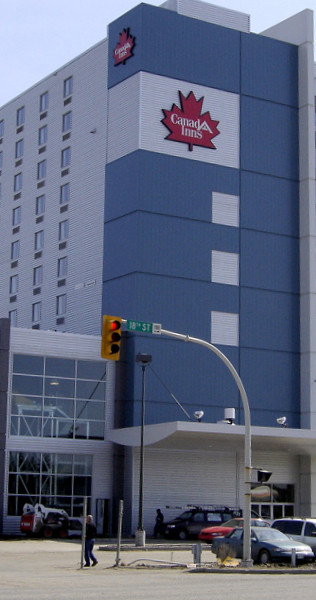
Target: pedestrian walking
{"x": 159, "y": 528}
{"x": 91, "y": 532}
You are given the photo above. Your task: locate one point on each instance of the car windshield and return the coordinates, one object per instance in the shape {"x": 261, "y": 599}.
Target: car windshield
{"x": 186, "y": 515}
{"x": 233, "y": 523}
{"x": 270, "y": 534}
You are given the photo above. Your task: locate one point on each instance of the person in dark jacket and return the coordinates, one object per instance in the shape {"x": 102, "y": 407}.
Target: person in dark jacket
{"x": 159, "y": 528}
{"x": 89, "y": 542}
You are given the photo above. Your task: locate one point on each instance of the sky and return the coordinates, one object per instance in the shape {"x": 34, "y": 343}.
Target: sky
{"x": 39, "y": 36}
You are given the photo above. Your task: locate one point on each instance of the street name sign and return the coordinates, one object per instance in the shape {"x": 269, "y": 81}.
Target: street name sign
{"x": 143, "y": 326}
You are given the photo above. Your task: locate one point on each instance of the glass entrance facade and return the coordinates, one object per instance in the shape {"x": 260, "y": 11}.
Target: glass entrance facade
{"x": 56, "y": 480}
{"x": 58, "y": 398}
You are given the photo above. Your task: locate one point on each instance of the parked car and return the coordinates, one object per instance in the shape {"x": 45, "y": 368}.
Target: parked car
{"x": 190, "y": 522}
{"x": 299, "y": 529}
{"x": 267, "y": 545}
{"x": 209, "y": 533}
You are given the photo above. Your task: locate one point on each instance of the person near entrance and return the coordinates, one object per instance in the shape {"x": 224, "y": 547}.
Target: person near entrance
{"x": 91, "y": 532}
{"x": 159, "y": 529}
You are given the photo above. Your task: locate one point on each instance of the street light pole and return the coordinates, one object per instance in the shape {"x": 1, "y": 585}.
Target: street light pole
{"x": 247, "y": 560}
{"x": 140, "y": 535}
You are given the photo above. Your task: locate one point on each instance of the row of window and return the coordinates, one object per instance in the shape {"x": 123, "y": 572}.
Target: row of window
{"x": 61, "y": 306}
{"x": 62, "y": 269}
{"x": 44, "y": 102}
{"x": 63, "y": 232}
{"x": 41, "y": 169}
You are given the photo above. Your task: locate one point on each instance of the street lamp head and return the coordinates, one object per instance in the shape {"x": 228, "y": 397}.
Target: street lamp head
{"x": 143, "y": 359}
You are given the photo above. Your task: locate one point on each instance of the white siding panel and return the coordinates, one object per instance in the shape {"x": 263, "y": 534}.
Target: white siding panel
{"x": 210, "y": 13}
{"x": 124, "y": 115}
{"x": 224, "y": 328}
{"x": 144, "y": 112}
{"x": 172, "y": 477}
{"x": 225, "y": 209}
{"x": 86, "y": 177}
{"x": 225, "y": 267}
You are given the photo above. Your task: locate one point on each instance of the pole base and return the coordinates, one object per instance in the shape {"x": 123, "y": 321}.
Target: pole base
{"x": 140, "y": 537}
{"x": 247, "y": 563}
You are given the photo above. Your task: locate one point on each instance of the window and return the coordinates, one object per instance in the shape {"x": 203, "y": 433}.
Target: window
{"x": 15, "y": 250}
{"x": 61, "y": 304}
{"x": 63, "y": 230}
{"x": 13, "y": 317}
{"x": 17, "y": 182}
{"x": 41, "y": 169}
{"x": 57, "y": 397}
{"x": 40, "y": 205}
{"x": 67, "y": 87}
{"x": 67, "y": 119}
{"x": 50, "y": 479}
{"x": 16, "y": 216}
{"x": 20, "y": 116}
{"x": 62, "y": 267}
{"x": 38, "y": 275}
{"x": 64, "y": 193}
{"x": 1, "y": 127}
{"x": 19, "y": 147}
{"x": 36, "y": 311}
{"x": 14, "y": 284}
{"x": 42, "y": 135}
{"x": 43, "y": 101}
{"x": 39, "y": 240}
{"x": 65, "y": 157}
{"x": 1, "y": 159}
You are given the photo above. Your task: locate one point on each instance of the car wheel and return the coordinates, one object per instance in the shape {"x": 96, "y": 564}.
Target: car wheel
{"x": 264, "y": 557}
{"x": 182, "y": 535}
{"x": 48, "y": 533}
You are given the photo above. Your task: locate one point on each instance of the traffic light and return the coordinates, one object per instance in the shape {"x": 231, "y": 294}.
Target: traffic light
{"x": 111, "y": 337}
{"x": 263, "y": 476}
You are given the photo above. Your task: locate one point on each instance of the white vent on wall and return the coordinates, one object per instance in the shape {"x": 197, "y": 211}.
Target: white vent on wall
{"x": 225, "y": 267}
{"x": 225, "y": 209}
{"x": 224, "y": 329}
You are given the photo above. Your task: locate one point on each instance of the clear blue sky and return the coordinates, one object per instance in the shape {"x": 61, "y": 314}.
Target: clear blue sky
{"x": 38, "y": 36}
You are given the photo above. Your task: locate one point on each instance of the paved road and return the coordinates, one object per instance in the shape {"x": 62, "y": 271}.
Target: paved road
{"x": 50, "y": 570}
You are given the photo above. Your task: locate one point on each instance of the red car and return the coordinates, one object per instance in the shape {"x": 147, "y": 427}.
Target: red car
{"x": 209, "y": 533}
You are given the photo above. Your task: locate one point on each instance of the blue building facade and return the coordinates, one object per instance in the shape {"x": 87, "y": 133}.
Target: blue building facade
{"x": 205, "y": 240}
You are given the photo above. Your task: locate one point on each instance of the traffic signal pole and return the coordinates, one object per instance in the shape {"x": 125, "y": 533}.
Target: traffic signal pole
{"x": 247, "y": 560}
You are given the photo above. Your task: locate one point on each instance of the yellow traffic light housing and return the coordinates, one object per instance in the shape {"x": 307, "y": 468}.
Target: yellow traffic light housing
{"x": 111, "y": 337}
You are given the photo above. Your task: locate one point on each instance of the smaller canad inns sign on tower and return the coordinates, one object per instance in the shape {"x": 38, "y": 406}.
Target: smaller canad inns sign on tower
{"x": 124, "y": 48}
{"x": 188, "y": 125}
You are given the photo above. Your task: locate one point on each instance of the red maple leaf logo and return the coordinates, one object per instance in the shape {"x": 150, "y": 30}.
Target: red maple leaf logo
{"x": 188, "y": 125}
{"x": 124, "y": 48}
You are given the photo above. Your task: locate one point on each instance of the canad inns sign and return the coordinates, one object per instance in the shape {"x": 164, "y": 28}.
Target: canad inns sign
{"x": 124, "y": 48}
{"x": 188, "y": 125}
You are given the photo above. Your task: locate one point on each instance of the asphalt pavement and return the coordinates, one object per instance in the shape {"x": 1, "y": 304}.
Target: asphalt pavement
{"x": 51, "y": 570}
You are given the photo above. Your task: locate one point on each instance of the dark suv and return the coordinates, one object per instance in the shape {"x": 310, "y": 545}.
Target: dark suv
{"x": 195, "y": 518}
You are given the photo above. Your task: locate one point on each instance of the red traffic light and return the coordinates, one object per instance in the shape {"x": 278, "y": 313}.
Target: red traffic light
{"x": 111, "y": 337}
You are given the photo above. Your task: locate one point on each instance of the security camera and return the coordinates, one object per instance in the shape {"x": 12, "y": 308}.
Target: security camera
{"x": 282, "y": 421}
{"x": 199, "y": 414}
{"x": 229, "y": 416}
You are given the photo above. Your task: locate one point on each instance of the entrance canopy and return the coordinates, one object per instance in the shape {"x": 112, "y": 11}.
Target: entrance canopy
{"x": 217, "y": 437}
